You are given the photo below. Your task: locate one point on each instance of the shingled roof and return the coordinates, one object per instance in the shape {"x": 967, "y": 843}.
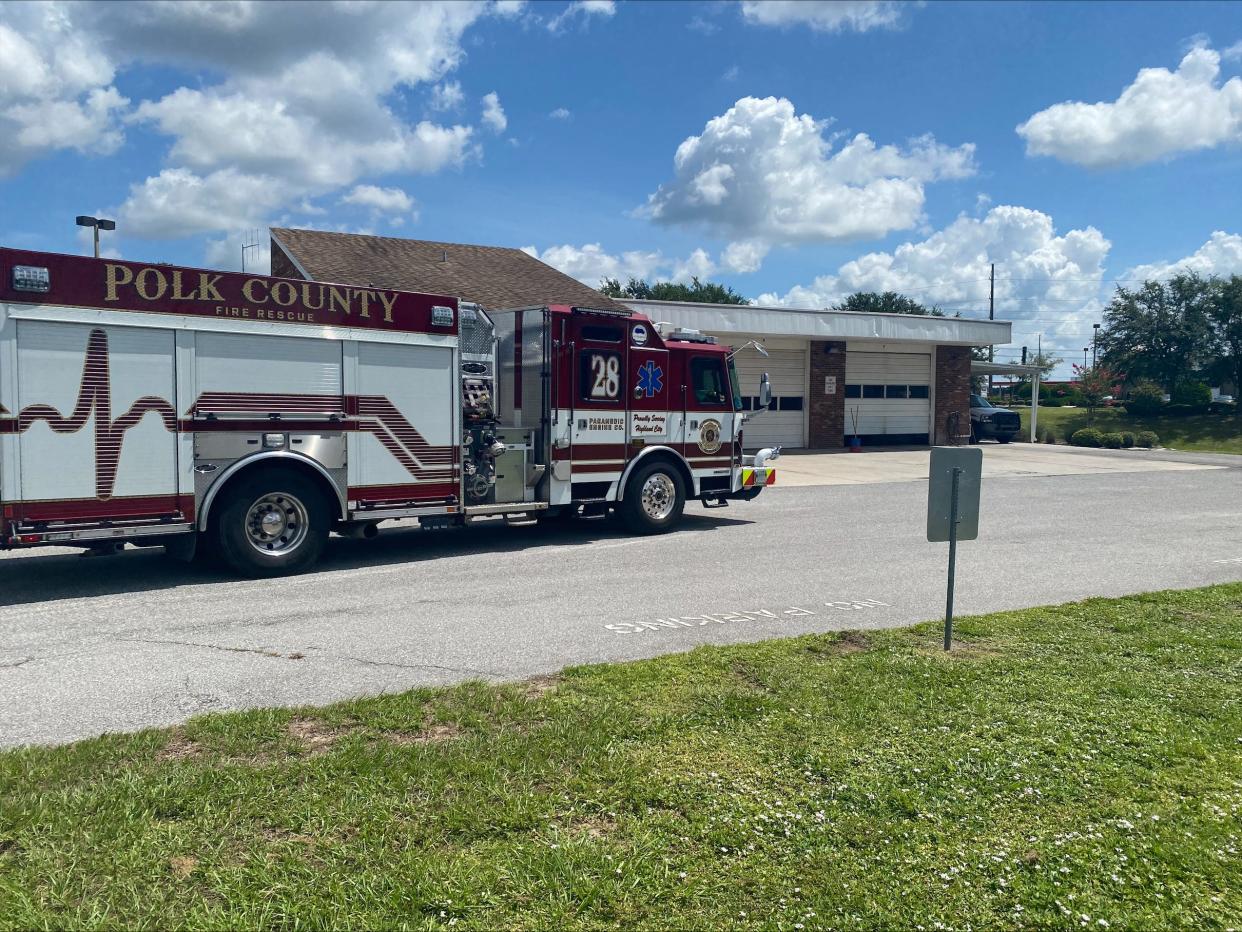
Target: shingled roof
{"x": 494, "y": 276}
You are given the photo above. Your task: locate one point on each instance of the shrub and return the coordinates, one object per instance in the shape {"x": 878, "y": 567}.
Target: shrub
{"x": 1195, "y": 395}
{"x": 1052, "y": 401}
{"x": 1145, "y": 398}
{"x": 1112, "y": 441}
{"x": 1087, "y": 437}
{"x": 1146, "y": 439}
{"x": 1127, "y": 439}
{"x": 1180, "y": 411}
{"x": 1047, "y": 435}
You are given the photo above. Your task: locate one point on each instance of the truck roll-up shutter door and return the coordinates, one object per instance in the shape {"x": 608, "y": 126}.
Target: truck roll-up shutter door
{"x": 245, "y": 374}
{"x": 784, "y": 424}
{"x": 101, "y": 456}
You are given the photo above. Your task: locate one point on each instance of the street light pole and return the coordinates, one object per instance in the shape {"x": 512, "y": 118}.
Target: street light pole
{"x": 97, "y": 223}
{"x": 991, "y": 316}
{"x": 1084, "y": 356}
{"x": 1095, "y": 343}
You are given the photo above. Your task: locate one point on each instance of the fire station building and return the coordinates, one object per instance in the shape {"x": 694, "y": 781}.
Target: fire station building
{"x": 889, "y": 378}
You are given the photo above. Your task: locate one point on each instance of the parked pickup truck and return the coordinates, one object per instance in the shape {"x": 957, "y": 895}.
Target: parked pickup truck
{"x": 988, "y": 422}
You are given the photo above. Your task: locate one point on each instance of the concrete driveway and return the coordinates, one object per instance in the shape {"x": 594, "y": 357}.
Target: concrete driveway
{"x": 89, "y": 645}
{"x": 1000, "y": 461}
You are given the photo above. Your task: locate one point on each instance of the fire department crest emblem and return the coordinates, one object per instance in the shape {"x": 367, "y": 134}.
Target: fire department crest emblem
{"x": 709, "y": 436}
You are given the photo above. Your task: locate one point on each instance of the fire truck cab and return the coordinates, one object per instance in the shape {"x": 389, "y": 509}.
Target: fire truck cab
{"x": 599, "y": 410}
{"x": 249, "y": 416}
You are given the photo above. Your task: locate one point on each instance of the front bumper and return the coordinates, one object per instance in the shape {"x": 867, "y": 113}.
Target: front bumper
{"x": 753, "y": 481}
{"x": 758, "y": 477}
{"x": 990, "y": 430}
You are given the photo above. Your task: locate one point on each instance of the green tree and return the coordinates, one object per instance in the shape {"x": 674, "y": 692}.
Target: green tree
{"x": 1146, "y": 398}
{"x": 1161, "y": 330}
{"x": 697, "y": 291}
{"x": 1094, "y": 383}
{"x": 1225, "y": 313}
{"x": 1046, "y": 362}
{"x": 888, "y": 302}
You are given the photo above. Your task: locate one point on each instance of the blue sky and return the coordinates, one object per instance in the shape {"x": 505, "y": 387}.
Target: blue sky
{"x": 795, "y": 151}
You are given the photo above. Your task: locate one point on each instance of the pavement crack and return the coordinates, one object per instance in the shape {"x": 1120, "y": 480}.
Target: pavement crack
{"x": 262, "y": 651}
{"x": 16, "y": 663}
{"x": 468, "y": 671}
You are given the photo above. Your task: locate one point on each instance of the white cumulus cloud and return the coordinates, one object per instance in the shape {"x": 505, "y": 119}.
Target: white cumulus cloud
{"x": 385, "y": 200}
{"x": 581, "y": 9}
{"x": 591, "y": 264}
{"x": 826, "y": 15}
{"x": 1045, "y": 282}
{"x": 743, "y": 256}
{"x": 1220, "y": 255}
{"x": 761, "y": 171}
{"x": 1161, "y": 114}
{"x": 494, "y": 113}
{"x": 291, "y": 101}
{"x": 696, "y": 265}
{"x": 178, "y": 202}
{"x": 509, "y": 8}
{"x": 56, "y": 88}
{"x": 560, "y": 113}
{"x": 447, "y": 95}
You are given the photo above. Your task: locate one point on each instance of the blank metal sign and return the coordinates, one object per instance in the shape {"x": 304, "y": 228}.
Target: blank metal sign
{"x": 940, "y": 492}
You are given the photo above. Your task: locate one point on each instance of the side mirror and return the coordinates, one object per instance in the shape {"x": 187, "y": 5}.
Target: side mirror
{"x": 765, "y": 391}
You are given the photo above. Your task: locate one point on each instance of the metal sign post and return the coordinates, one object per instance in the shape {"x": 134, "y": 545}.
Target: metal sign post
{"x": 953, "y": 509}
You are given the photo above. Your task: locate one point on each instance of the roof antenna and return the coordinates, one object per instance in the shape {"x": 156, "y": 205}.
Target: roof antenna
{"x": 248, "y": 246}
{"x": 444, "y": 255}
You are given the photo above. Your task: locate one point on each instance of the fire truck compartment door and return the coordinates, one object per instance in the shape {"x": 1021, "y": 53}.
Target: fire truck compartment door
{"x": 247, "y": 374}
{"x": 100, "y": 406}
{"x": 406, "y": 402}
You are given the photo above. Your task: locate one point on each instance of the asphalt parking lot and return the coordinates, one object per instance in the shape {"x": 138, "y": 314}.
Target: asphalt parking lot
{"x": 89, "y": 645}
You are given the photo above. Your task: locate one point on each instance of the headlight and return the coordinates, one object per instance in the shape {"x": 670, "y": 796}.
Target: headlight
{"x": 986, "y": 417}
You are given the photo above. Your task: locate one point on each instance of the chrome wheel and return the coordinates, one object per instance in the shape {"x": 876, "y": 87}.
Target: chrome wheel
{"x": 659, "y": 496}
{"x": 277, "y": 523}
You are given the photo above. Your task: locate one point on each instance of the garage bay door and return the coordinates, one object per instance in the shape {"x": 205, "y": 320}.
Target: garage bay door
{"x": 890, "y": 392}
{"x": 783, "y": 423}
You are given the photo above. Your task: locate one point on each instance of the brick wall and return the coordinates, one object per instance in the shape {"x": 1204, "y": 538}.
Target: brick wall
{"x": 827, "y": 412}
{"x": 952, "y": 394}
{"x": 282, "y": 266}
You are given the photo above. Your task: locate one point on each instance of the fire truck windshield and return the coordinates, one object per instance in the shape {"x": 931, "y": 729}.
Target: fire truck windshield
{"x": 735, "y": 386}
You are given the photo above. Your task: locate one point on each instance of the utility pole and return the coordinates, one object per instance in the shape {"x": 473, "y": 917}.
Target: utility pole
{"x": 991, "y": 316}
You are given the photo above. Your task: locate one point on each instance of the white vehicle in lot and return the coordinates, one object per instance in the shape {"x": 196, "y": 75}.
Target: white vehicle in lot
{"x": 250, "y": 416}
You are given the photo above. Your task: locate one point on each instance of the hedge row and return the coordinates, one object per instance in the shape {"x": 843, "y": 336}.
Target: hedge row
{"x": 1092, "y": 437}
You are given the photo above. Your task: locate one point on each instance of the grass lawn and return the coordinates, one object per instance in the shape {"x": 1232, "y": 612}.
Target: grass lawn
{"x": 1077, "y": 766}
{"x": 1204, "y": 433}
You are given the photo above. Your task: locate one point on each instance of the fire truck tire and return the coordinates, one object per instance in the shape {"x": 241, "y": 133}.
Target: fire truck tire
{"x": 272, "y": 523}
{"x": 654, "y": 498}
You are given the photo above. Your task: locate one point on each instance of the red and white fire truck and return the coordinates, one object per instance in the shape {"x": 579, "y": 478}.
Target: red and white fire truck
{"x": 249, "y": 417}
